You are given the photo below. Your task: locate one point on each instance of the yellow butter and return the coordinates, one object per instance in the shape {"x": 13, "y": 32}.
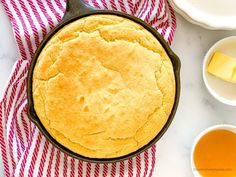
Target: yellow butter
{"x": 223, "y": 67}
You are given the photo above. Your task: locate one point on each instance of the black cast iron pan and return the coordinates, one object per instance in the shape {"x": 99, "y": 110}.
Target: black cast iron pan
{"x": 75, "y": 10}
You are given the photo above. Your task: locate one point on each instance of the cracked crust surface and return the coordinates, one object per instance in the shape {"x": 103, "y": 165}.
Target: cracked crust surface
{"x": 103, "y": 86}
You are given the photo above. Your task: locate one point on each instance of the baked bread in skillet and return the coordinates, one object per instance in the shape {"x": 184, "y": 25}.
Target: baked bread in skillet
{"x": 103, "y": 86}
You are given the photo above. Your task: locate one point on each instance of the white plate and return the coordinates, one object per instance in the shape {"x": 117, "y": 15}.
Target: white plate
{"x": 212, "y": 14}
{"x": 223, "y": 91}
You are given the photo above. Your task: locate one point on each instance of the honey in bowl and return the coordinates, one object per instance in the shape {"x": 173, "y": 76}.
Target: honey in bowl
{"x": 215, "y": 154}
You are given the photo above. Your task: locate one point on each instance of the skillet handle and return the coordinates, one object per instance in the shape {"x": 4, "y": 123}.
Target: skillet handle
{"x": 75, "y": 8}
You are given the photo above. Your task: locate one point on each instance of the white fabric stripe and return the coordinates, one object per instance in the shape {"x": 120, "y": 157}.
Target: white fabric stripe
{"x": 10, "y": 117}
{"x": 52, "y": 171}
{"x": 117, "y": 169}
{"x": 84, "y": 169}
{"x": 39, "y": 156}
{"x": 21, "y": 68}
{"x": 142, "y": 164}
{"x": 30, "y": 154}
{"x": 20, "y": 27}
{"x": 27, "y": 23}
{"x": 134, "y": 166}
{"x": 126, "y": 4}
{"x": 154, "y": 12}
{"x": 34, "y": 19}
{"x": 140, "y": 8}
{"x": 18, "y": 114}
{"x": 108, "y": 4}
{"x": 61, "y": 164}
{"x": 148, "y": 7}
{"x": 163, "y": 10}
{"x": 92, "y": 169}
{"x": 4, "y": 136}
{"x": 76, "y": 168}
{"x": 100, "y": 4}
{"x": 167, "y": 33}
{"x": 117, "y": 5}
{"x": 43, "y": 17}
{"x": 126, "y": 168}
{"x": 46, "y": 163}
{"x": 50, "y": 13}
{"x": 57, "y": 9}
{"x": 109, "y": 170}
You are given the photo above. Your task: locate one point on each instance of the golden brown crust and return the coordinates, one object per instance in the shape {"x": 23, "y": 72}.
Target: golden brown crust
{"x": 103, "y": 86}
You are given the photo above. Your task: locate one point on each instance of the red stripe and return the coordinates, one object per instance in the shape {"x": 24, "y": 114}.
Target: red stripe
{"x": 150, "y": 10}
{"x": 18, "y": 149}
{"x": 122, "y": 167}
{"x": 146, "y": 163}
{"x": 55, "y": 13}
{"x": 30, "y": 20}
{"x": 137, "y": 5}
{"x": 3, "y": 147}
{"x": 113, "y": 5}
{"x": 18, "y": 129}
{"x": 153, "y": 149}
{"x": 72, "y": 169}
{"x": 113, "y": 170}
{"x": 96, "y": 171}
{"x": 43, "y": 159}
{"x": 44, "y": 11}
{"x": 25, "y": 124}
{"x": 144, "y": 8}
{"x": 16, "y": 30}
{"x": 65, "y": 166}
{"x": 23, "y": 163}
{"x": 26, "y": 33}
{"x": 13, "y": 92}
{"x": 35, "y": 154}
{"x": 130, "y": 167}
{"x": 138, "y": 165}
{"x": 105, "y": 170}
{"x": 104, "y": 4}
{"x": 80, "y": 168}
{"x": 38, "y": 17}
{"x": 57, "y": 163}
{"x": 95, "y": 4}
{"x": 122, "y": 6}
{"x": 88, "y": 169}
{"x": 61, "y": 7}
{"x": 50, "y": 162}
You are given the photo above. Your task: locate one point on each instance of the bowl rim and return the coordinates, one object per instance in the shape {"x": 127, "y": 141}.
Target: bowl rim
{"x": 194, "y": 17}
{"x": 176, "y": 67}
{"x": 204, "y": 66}
{"x": 228, "y": 127}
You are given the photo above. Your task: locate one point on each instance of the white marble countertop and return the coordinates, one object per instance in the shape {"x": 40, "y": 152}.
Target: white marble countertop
{"x": 197, "y": 109}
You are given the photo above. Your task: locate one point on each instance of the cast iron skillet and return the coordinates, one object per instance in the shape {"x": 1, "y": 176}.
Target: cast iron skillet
{"x": 75, "y": 10}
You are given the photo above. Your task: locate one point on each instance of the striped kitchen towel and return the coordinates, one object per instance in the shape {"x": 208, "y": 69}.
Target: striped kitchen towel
{"x": 25, "y": 151}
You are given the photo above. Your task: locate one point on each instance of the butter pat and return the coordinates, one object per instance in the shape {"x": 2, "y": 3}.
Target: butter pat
{"x": 223, "y": 67}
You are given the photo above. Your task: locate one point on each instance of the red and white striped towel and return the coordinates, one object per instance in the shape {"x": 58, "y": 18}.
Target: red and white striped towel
{"x": 25, "y": 151}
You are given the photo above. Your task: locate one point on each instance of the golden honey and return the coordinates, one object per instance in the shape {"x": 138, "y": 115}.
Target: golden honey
{"x": 215, "y": 154}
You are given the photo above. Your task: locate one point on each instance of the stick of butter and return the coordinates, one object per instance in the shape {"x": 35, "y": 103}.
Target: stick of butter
{"x": 223, "y": 67}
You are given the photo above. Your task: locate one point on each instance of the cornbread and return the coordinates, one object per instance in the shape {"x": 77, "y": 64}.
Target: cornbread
{"x": 223, "y": 67}
{"x": 103, "y": 86}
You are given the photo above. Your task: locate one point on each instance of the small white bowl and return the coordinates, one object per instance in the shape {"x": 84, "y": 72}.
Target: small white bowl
{"x": 204, "y": 132}
{"x": 223, "y": 91}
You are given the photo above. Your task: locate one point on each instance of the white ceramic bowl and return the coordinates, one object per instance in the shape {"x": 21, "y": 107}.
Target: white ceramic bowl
{"x": 211, "y": 14}
{"x": 215, "y": 127}
{"x": 223, "y": 91}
